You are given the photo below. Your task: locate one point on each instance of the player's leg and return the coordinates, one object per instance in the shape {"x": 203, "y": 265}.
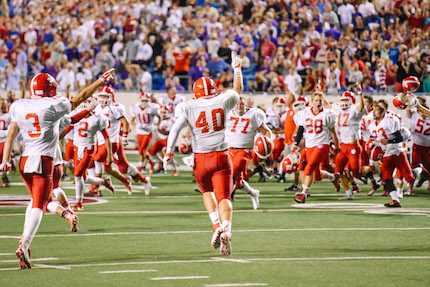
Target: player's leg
{"x": 421, "y": 163}
{"x": 341, "y": 161}
{"x": 387, "y": 169}
{"x": 82, "y": 159}
{"x": 405, "y": 171}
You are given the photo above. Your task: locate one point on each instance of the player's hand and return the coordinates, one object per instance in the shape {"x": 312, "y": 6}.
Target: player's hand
{"x": 358, "y": 90}
{"x": 107, "y": 76}
{"x": 167, "y": 160}
{"x": 124, "y": 141}
{"x": 5, "y": 166}
{"x": 236, "y": 61}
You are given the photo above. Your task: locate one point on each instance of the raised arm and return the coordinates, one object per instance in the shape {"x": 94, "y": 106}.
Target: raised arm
{"x": 236, "y": 63}
{"x": 86, "y": 92}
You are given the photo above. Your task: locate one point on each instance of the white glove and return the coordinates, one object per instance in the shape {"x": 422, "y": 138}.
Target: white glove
{"x": 167, "y": 160}
{"x": 236, "y": 61}
{"x": 107, "y": 76}
{"x": 5, "y": 166}
{"x": 358, "y": 89}
{"x": 189, "y": 160}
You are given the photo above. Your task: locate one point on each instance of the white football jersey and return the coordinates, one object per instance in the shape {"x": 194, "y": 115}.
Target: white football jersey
{"x": 348, "y": 123}
{"x": 366, "y": 120}
{"x": 86, "y": 130}
{"x": 317, "y": 126}
{"x": 241, "y": 129}
{"x": 171, "y": 104}
{"x": 144, "y": 118}
{"x": 165, "y": 125}
{"x": 113, "y": 113}
{"x": 275, "y": 121}
{"x": 420, "y": 129}
{"x": 38, "y": 121}
{"x": 4, "y": 125}
{"x": 207, "y": 117}
{"x": 385, "y": 130}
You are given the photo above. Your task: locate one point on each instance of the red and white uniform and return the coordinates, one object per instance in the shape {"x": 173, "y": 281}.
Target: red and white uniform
{"x": 84, "y": 139}
{"x": 276, "y": 122}
{"x": 207, "y": 117}
{"x": 164, "y": 125}
{"x": 317, "y": 135}
{"x": 420, "y": 129}
{"x": 348, "y": 130}
{"x": 145, "y": 123}
{"x": 365, "y": 137}
{"x": 38, "y": 121}
{"x": 394, "y": 156}
{"x": 241, "y": 131}
{"x": 171, "y": 104}
{"x": 4, "y": 125}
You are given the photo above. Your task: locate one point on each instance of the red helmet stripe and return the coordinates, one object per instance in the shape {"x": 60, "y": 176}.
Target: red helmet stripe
{"x": 205, "y": 86}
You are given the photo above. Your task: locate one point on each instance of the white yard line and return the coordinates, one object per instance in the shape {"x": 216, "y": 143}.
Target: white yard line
{"x": 179, "y": 278}
{"x": 7, "y": 254}
{"x": 44, "y": 266}
{"x": 32, "y": 260}
{"x": 127, "y": 271}
{"x": 239, "y": 260}
{"x": 235, "y": 284}
{"x": 235, "y": 231}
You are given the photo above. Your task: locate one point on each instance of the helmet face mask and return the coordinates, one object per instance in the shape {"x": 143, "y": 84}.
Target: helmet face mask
{"x": 144, "y": 103}
{"x": 104, "y": 99}
{"x": 345, "y": 103}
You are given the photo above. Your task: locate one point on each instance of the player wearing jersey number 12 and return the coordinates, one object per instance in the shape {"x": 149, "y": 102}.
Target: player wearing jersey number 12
{"x": 206, "y": 114}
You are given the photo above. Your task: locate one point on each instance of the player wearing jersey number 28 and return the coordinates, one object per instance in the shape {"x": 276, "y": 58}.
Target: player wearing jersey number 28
{"x": 207, "y": 116}
{"x": 37, "y": 121}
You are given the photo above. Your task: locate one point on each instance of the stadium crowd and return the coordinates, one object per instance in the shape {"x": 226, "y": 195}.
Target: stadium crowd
{"x": 285, "y": 45}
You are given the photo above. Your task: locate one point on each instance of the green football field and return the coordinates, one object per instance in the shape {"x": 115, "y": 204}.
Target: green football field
{"x": 164, "y": 240}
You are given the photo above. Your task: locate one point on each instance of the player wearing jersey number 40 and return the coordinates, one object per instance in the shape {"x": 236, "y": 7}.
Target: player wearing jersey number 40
{"x": 37, "y": 119}
{"x": 206, "y": 114}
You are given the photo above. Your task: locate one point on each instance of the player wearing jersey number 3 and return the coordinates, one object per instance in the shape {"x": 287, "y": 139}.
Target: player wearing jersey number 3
{"x": 37, "y": 119}
{"x": 213, "y": 171}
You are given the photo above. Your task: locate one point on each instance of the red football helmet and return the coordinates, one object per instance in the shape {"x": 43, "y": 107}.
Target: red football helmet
{"x": 300, "y": 103}
{"x": 204, "y": 87}
{"x": 398, "y": 103}
{"x": 375, "y": 152}
{"x": 184, "y": 148}
{"x": 290, "y": 163}
{"x": 262, "y": 146}
{"x": 346, "y": 100}
{"x": 43, "y": 85}
{"x": 105, "y": 95}
{"x": 410, "y": 84}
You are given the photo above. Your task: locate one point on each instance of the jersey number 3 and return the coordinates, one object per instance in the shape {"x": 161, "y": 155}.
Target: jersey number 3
{"x": 36, "y": 124}
{"x": 217, "y": 121}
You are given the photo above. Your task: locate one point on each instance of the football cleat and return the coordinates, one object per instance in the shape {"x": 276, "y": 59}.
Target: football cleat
{"x": 392, "y": 203}
{"x": 225, "y": 243}
{"x": 348, "y": 195}
{"x": 108, "y": 184}
{"x": 23, "y": 255}
{"x": 255, "y": 198}
{"x": 78, "y": 207}
{"x": 216, "y": 241}
{"x": 356, "y": 189}
{"x": 336, "y": 184}
{"x": 72, "y": 219}
{"x": 128, "y": 186}
{"x": 147, "y": 185}
{"x": 300, "y": 198}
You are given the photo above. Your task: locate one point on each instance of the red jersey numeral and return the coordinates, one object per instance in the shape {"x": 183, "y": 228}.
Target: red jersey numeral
{"x": 421, "y": 124}
{"x": 143, "y": 118}
{"x": 83, "y": 129}
{"x": 380, "y": 131}
{"x": 314, "y": 126}
{"x": 247, "y": 121}
{"x": 217, "y": 121}
{"x": 36, "y": 125}
{"x": 342, "y": 120}
{"x": 3, "y": 125}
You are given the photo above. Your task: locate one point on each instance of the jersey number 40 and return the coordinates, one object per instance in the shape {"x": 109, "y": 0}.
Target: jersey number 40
{"x": 217, "y": 120}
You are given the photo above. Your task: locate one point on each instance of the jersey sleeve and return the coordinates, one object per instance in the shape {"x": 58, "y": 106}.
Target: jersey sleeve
{"x": 231, "y": 99}
{"x": 12, "y": 112}
{"x": 119, "y": 112}
{"x": 330, "y": 120}
{"x": 58, "y": 109}
{"x": 180, "y": 111}
{"x": 259, "y": 118}
{"x": 102, "y": 122}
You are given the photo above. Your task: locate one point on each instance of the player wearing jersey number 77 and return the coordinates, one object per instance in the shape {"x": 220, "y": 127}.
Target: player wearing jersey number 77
{"x": 206, "y": 114}
{"x": 37, "y": 120}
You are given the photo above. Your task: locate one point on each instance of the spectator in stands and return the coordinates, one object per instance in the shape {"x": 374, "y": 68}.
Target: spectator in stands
{"x": 66, "y": 77}
{"x": 293, "y": 82}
